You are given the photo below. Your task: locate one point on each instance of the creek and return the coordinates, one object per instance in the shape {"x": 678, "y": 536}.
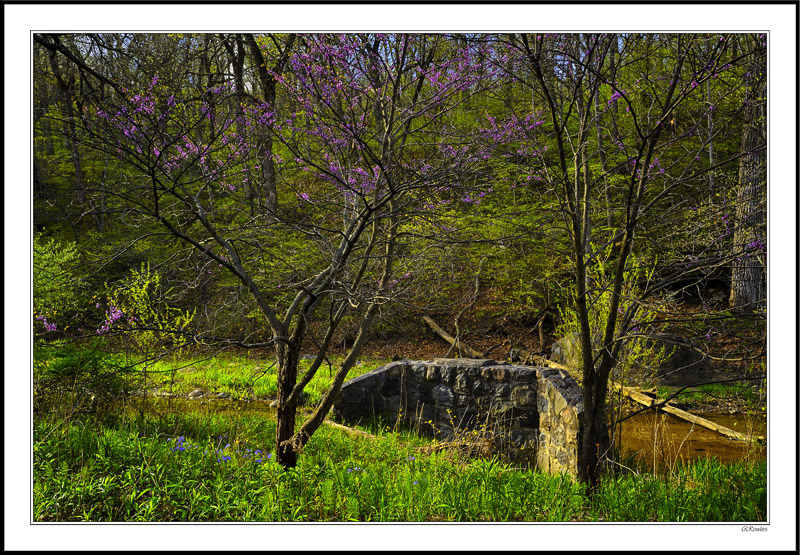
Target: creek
{"x": 659, "y": 439}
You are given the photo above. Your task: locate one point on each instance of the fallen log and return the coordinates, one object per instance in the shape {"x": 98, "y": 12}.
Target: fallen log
{"x": 632, "y": 393}
{"x": 464, "y": 348}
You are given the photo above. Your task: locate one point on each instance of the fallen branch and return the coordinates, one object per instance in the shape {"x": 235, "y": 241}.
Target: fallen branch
{"x": 650, "y": 402}
{"x": 348, "y": 430}
{"x": 465, "y": 349}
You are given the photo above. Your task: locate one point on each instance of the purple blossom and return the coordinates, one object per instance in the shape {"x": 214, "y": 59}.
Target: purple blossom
{"x": 113, "y": 314}
{"x": 49, "y": 326}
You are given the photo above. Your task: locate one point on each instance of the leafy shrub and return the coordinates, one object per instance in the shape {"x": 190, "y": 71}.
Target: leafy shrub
{"x": 637, "y": 356}
{"x": 86, "y": 374}
{"x": 54, "y": 283}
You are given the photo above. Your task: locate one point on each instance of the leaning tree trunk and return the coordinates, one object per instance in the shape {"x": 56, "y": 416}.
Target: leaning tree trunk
{"x": 747, "y": 277}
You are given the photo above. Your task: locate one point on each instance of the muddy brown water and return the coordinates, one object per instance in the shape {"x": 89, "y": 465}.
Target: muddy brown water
{"x": 655, "y": 440}
{"x": 659, "y": 440}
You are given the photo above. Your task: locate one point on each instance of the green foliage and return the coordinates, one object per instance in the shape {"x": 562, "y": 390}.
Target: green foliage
{"x": 69, "y": 377}
{"x": 143, "y": 303}
{"x": 55, "y": 285}
{"x": 635, "y": 354}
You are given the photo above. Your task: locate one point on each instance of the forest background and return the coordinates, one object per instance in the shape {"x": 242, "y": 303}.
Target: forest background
{"x": 776, "y": 158}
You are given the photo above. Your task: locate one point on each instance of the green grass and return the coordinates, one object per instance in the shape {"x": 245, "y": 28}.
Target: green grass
{"x": 245, "y": 377}
{"x": 747, "y": 392}
{"x": 147, "y": 459}
{"x": 201, "y": 466}
{"x": 238, "y": 376}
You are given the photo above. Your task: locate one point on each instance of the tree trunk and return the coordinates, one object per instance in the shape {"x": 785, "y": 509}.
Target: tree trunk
{"x": 72, "y": 134}
{"x": 288, "y": 357}
{"x": 264, "y": 142}
{"x": 749, "y": 238}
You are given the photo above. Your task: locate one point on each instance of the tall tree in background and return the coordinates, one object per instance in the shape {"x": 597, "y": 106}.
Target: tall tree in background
{"x": 749, "y": 238}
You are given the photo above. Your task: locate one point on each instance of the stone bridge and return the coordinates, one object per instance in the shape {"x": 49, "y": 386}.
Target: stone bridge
{"x": 530, "y": 413}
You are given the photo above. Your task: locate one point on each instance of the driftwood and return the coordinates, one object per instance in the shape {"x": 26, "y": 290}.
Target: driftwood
{"x": 632, "y": 393}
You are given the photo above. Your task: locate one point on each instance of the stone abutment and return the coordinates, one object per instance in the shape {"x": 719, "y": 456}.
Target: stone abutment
{"x": 531, "y": 414}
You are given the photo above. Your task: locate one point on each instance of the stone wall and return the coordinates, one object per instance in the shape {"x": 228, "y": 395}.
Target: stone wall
{"x": 530, "y": 413}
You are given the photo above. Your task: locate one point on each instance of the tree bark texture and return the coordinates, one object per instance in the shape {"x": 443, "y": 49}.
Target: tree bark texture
{"x": 748, "y": 287}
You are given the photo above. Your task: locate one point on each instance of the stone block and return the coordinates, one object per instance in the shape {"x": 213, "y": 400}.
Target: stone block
{"x": 395, "y": 369}
{"x": 543, "y": 461}
{"x": 502, "y": 410}
{"x": 543, "y": 404}
{"x": 471, "y": 371}
{"x": 559, "y": 404}
{"x": 443, "y": 395}
{"x": 463, "y": 383}
{"x": 549, "y": 373}
{"x": 524, "y": 396}
{"x": 523, "y": 405}
{"x": 558, "y": 437}
{"x": 464, "y": 362}
{"x": 501, "y": 390}
{"x": 391, "y": 386}
{"x": 522, "y": 373}
{"x": 392, "y": 407}
{"x": 500, "y": 373}
{"x": 447, "y": 373}
{"x": 353, "y": 395}
{"x": 419, "y": 371}
{"x": 545, "y": 421}
{"x": 479, "y": 387}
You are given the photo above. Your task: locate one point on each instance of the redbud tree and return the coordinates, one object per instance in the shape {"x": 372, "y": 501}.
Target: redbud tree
{"x": 362, "y": 151}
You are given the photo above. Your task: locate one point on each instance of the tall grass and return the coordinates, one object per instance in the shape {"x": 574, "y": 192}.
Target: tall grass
{"x": 133, "y": 458}
{"x": 218, "y": 467}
